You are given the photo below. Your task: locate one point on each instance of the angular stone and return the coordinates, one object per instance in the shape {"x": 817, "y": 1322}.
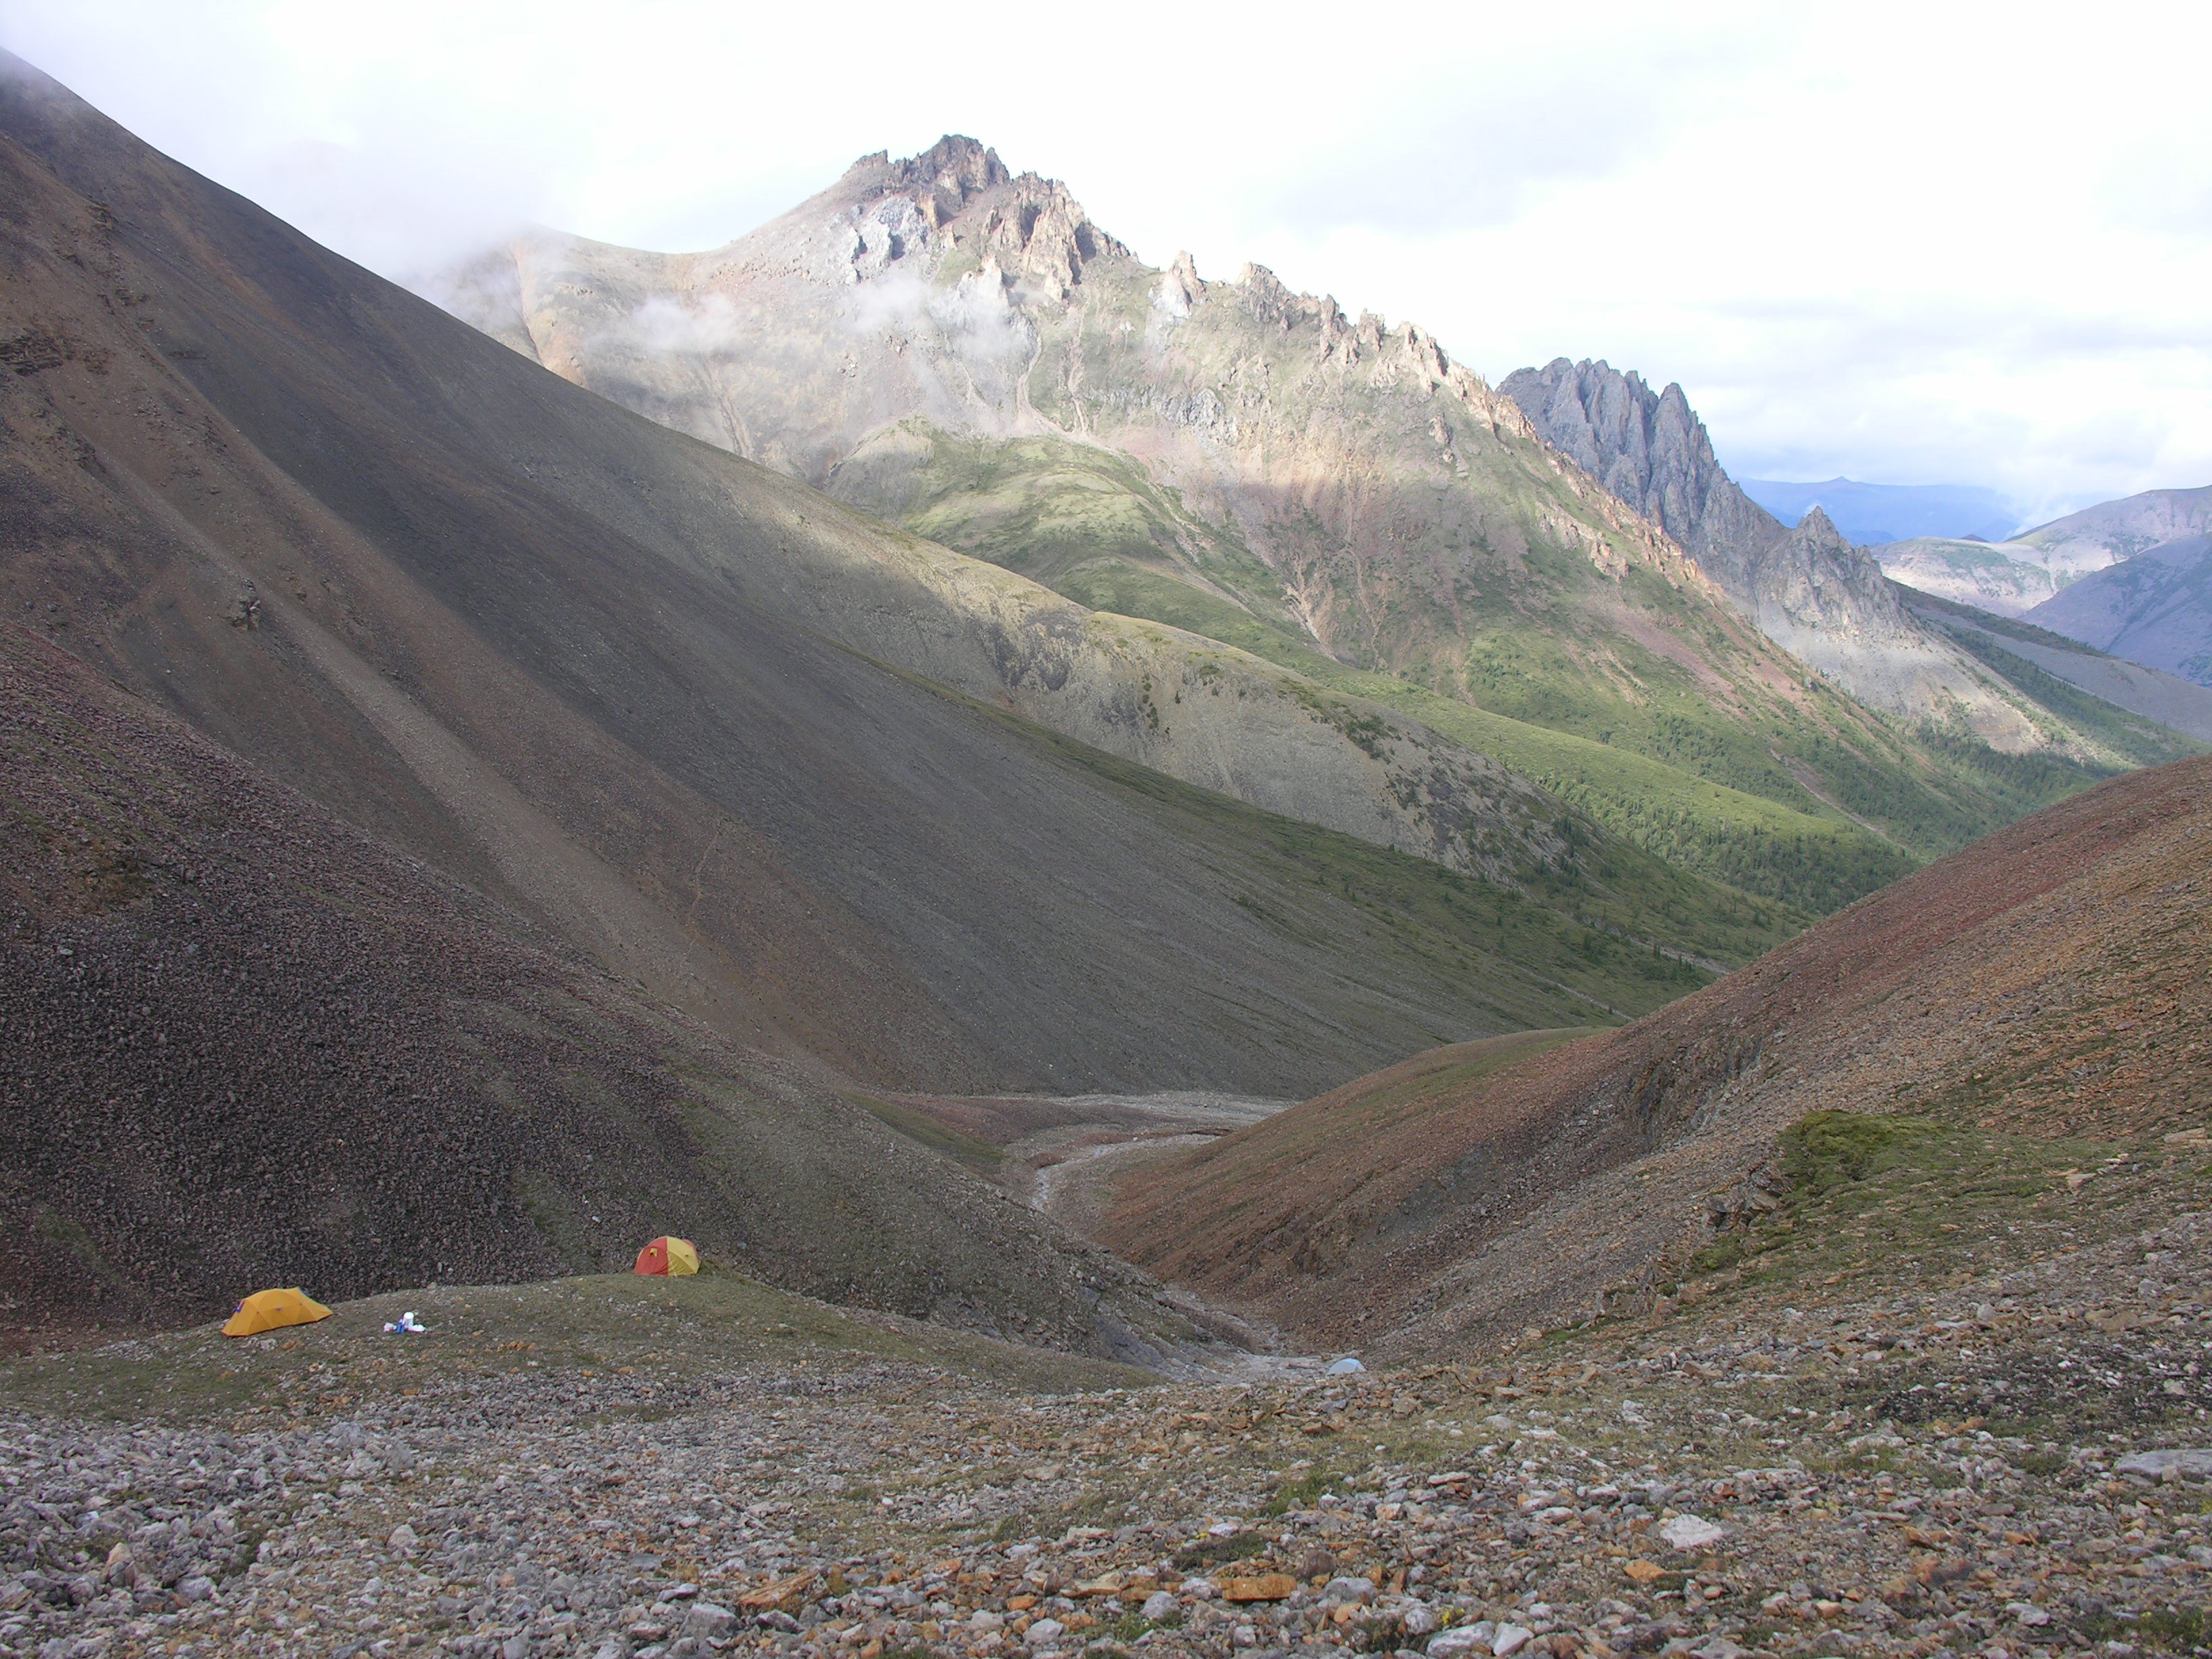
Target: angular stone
{"x": 1691, "y": 1532}
{"x": 708, "y": 1621}
{"x": 2154, "y": 1464}
{"x": 1263, "y": 1587}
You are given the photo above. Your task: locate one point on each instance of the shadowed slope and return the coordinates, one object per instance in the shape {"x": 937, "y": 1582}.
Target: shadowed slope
{"x": 241, "y": 1044}
{"x": 2056, "y": 978}
{"x": 2154, "y": 608}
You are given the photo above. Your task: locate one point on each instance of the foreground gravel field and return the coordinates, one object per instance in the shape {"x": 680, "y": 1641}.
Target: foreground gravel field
{"x": 1998, "y": 1463}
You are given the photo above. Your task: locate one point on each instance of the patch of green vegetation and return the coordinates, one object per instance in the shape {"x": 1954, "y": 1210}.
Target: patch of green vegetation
{"x": 2129, "y": 738}
{"x": 1750, "y": 846}
{"x": 1533, "y": 960}
{"x": 1212, "y": 1552}
{"x": 1055, "y": 511}
{"x": 1299, "y": 1490}
{"x": 1125, "y": 589}
{"x": 610, "y": 1325}
{"x": 1872, "y": 1196}
{"x": 57, "y": 1229}
{"x": 553, "y": 1210}
{"x": 1800, "y": 803}
{"x": 2162, "y": 1630}
{"x": 1128, "y": 1626}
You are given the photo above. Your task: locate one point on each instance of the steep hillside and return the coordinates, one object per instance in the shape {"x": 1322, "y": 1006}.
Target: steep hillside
{"x": 2008, "y": 578}
{"x": 2154, "y": 608}
{"x": 1805, "y": 588}
{"x": 2031, "y": 657}
{"x": 961, "y": 350}
{"x": 678, "y": 709}
{"x": 2112, "y": 531}
{"x": 2055, "y": 981}
{"x": 242, "y": 1044}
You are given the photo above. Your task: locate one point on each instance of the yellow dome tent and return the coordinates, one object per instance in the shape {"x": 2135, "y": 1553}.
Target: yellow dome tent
{"x": 266, "y": 1311}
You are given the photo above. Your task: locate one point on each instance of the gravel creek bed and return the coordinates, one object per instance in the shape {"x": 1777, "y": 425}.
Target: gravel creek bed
{"x": 1946, "y": 1471}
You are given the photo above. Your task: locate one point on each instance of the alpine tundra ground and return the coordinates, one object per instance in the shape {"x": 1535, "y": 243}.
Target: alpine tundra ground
{"x": 1821, "y": 1443}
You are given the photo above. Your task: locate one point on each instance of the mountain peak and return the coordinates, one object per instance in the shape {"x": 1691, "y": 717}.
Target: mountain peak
{"x": 1819, "y": 530}
{"x": 958, "y": 161}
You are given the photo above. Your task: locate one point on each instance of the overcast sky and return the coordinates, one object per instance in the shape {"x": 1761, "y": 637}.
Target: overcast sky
{"x": 1918, "y": 245}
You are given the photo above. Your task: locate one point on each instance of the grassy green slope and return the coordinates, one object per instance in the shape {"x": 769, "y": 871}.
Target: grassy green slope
{"x": 1564, "y": 952}
{"x": 1808, "y": 801}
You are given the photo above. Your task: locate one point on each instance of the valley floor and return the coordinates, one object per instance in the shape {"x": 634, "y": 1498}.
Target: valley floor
{"x": 1900, "y": 1456}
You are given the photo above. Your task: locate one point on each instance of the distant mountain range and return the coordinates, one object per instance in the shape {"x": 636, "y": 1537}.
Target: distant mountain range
{"x": 2125, "y": 576}
{"x": 1870, "y": 514}
{"x": 959, "y": 349}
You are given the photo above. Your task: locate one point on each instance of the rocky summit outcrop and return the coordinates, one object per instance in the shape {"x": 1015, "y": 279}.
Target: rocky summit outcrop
{"x": 1808, "y": 589}
{"x": 1651, "y": 451}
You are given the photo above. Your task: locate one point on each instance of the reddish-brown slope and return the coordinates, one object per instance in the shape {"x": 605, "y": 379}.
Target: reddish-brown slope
{"x": 2055, "y": 977}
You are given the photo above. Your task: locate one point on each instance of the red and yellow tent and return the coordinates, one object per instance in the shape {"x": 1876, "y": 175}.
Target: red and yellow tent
{"x": 669, "y": 1255}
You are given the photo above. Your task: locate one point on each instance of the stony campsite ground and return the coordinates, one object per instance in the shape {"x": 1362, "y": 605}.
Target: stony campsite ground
{"x": 1911, "y": 1411}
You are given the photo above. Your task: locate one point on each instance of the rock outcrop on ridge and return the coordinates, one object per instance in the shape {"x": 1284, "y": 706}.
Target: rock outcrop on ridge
{"x": 1809, "y": 589}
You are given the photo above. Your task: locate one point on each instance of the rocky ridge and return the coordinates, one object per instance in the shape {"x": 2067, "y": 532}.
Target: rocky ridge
{"x": 1808, "y": 589}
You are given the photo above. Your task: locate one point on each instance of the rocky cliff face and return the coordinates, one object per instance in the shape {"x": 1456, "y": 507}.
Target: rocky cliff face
{"x": 1808, "y": 589}
{"x": 1651, "y": 451}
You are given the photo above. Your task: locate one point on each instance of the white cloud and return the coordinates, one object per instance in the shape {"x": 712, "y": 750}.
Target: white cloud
{"x": 1909, "y": 243}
